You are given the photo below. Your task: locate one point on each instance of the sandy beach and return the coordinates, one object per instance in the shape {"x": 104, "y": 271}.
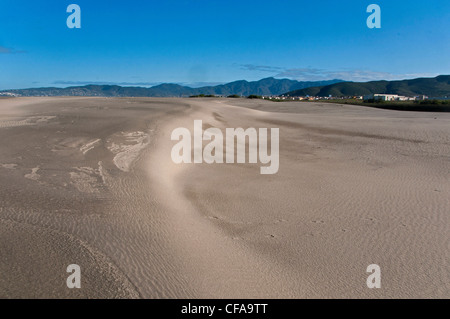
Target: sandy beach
{"x": 90, "y": 181}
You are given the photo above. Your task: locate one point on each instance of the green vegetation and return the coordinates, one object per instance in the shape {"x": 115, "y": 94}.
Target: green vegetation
{"x": 438, "y": 86}
{"x": 253, "y": 96}
{"x": 203, "y": 95}
{"x": 234, "y": 96}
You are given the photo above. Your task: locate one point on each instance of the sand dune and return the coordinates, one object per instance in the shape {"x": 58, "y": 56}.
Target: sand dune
{"x": 356, "y": 186}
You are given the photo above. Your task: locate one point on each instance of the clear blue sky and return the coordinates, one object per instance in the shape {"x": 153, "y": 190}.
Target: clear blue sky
{"x": 190, "y": 41}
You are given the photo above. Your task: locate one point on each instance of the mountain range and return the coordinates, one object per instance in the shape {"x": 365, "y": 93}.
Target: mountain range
{"x": 432, "y": 87}
{"x": 267, "y": 86}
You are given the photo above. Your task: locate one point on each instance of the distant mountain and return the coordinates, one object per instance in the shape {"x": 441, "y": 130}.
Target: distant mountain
{"x": 432, "y": 87}
{"x": 268, "y": 86}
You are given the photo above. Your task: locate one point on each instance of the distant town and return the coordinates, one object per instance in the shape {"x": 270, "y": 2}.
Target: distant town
{"x": 373, "y": 97}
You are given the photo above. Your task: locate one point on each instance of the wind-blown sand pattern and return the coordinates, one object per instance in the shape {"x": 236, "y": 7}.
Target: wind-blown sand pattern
{"x": 86, "y": 179}
{"x": 9, "y": 166}
{"x": 28, "y": 121}
{"x": 89, "y": 146}
{"x": 33, "y": 175}
{"x": 356, "y": 186}
{"x": 128, "y": 151}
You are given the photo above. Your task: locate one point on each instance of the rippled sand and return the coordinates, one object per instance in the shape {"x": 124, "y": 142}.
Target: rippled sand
{"x": 90, "y": 181}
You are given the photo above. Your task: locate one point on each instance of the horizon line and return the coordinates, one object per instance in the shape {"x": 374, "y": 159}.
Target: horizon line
{"x": 189, "y": 85}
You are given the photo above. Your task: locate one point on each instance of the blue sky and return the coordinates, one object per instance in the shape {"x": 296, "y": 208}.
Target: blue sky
{"x": 209, "y": 41}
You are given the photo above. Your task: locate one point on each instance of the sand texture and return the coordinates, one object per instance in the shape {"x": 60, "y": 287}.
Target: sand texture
{"x": 90, "y": 181}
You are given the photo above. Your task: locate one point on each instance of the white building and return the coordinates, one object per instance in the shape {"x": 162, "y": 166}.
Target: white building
{"x": 388, "y": 97}
{"x": 8, "y": 94}
{"x": 421, "y": 97}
